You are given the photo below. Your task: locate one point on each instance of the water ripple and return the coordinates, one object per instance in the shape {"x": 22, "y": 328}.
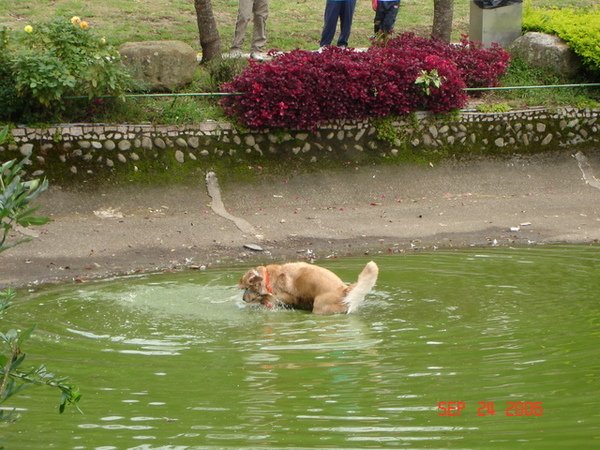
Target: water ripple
{"x": 507, "y": 327}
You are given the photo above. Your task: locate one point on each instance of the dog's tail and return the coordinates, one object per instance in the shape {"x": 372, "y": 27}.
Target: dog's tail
{"x": 357, "y": 292}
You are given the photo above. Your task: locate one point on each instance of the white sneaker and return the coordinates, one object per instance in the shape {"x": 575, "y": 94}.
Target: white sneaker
{"x": 235, "y": 53}
{"x": 259, "y": 56}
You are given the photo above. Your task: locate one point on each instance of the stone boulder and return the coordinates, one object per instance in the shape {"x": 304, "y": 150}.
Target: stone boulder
{"x": 546, "y": 51}
{"x": 160, "y": 65}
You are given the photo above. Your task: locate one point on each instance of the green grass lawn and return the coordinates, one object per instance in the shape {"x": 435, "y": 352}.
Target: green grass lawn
{"x": 291, "y": 24}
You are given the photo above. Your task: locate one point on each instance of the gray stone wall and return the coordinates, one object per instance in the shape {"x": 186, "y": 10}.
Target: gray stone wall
{"x": 83, "y": 150}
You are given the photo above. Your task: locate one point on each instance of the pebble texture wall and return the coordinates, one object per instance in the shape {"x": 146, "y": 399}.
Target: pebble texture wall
{"x": 83, "y": 150}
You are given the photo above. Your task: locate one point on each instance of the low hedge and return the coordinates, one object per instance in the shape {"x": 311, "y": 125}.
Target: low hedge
{"x": 580, "y": 29}
{"x": 300, "y": 89}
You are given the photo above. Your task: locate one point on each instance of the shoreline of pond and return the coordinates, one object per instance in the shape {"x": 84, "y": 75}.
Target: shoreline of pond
{"x": 360, "y": 211}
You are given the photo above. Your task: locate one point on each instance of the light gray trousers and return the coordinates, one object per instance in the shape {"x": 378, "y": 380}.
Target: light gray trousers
{"x": 257, "y": 11}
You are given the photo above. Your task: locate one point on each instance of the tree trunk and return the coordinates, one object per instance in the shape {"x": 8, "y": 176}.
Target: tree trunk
{"x": 442, "y": 19}
{"x": 210, "y": 41}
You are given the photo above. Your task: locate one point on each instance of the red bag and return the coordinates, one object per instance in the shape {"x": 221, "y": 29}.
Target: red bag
{"x": 374, "y": 4}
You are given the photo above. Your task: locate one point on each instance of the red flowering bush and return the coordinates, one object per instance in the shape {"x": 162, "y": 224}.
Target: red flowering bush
{"x": 276, "y": 93}
{"x": 395, "y": 74}
{"x": 478, "y": 66}
{"x": 300, "y": 89}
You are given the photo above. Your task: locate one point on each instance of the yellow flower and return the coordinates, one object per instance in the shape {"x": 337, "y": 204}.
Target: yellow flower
{"x": 75, "y": 20}
{"x": 28, "y": 29}
{"x": 103, "y": 40}
{"x": 84, "y": 25}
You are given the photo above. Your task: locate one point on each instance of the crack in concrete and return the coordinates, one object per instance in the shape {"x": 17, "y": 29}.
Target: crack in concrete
{"x": 212, "y": 185}
{"x": 586, "y": 170}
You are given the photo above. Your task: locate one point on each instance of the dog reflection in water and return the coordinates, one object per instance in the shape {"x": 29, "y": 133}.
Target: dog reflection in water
{"x": 304, "y": 286}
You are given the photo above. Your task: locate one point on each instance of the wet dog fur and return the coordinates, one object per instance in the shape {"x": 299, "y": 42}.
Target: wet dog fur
{"x": 304, "y": 286}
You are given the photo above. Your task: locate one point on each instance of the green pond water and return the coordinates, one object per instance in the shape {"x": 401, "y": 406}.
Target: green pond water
{"x": 178, "y": 361}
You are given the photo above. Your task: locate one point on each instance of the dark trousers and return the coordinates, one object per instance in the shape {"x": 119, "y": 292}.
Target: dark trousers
{"x": 385, "y": 16}
{"x": 334, "y": 10}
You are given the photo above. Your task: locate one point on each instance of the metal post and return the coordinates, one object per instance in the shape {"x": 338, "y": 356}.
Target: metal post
{"x": 496, "y": 21}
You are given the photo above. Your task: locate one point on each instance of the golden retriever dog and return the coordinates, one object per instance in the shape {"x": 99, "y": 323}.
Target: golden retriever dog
{"x": 304, "y": 286}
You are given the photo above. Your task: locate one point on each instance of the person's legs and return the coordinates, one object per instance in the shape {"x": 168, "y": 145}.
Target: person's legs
{"x": 259, "y": 34}
{"x": 346, "y": 14}
{"x": 379, "y": 16}
{"x": 387, "y": 25}
{"x": 330, "y": 18}
{"x": 244, "y": 16}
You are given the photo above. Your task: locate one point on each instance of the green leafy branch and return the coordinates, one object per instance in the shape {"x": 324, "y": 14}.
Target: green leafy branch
{"x": 429, "y": 79}
{"x": 16, "y": 196}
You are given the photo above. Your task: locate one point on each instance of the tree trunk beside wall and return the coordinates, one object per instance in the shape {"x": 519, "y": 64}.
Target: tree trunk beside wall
{"x": 443, "y": 10}
{"x": 210, "y": 41}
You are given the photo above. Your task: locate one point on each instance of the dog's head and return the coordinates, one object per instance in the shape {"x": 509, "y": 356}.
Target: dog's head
{"x": 255, "y": 285}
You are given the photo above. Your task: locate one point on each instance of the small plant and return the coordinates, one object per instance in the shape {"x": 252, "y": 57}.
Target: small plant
{"x": 15, "y": 198}
{"x": 427, "y": 80}
{"x": 3, "y": 135}
{"x": 49, "y": 61}
{"x": 11, "y": 105}
{"x": 224, "y": 70}
{"x": 385, "y": 129}
{"x": 493, "y": 107}
{"x": 587, "y": 103}
{"x": 13, "y": 379}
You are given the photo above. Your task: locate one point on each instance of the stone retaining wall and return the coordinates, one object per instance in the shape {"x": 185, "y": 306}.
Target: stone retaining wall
{"x": 84, "y": 150}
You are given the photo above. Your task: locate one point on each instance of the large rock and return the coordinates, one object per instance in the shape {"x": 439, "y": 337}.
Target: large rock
{"x": 160, "y": 65}
{"x": 546, "y": 51}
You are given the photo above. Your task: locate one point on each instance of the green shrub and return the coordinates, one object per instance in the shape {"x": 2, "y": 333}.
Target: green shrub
{"x": 16, "y": 196}
{"x": 493, "y": 107}
{"x": 9, "y": 100}
{"x": 49, "y": 61}
{"x": 580, "y": 29}
{"x": 222, "y": 70}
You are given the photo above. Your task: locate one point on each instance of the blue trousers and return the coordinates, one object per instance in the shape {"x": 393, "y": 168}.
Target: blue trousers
{"x": 334, "y": 10}
{"x": 385, "y": 16}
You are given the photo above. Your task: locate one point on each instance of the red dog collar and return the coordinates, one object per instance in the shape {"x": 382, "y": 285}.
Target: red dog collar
{"x": 268, "y": 286}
